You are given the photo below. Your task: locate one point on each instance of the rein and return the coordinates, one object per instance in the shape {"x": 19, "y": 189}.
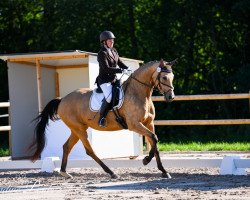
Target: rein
{"x": 145, "y": 84}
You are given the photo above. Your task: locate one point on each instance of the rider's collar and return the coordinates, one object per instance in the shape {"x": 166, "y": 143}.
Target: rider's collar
{"x": 105, "y": 46}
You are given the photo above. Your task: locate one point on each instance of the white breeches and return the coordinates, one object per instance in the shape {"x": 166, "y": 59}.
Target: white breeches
{"x": 107, "y": 91}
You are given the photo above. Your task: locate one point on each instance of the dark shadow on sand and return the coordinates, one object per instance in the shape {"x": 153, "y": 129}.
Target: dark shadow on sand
{"x": 201, "y": 182}
{"x": 134, "y": 181}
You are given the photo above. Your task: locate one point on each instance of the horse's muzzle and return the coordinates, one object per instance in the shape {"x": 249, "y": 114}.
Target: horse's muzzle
{"x": 169, "y": 96}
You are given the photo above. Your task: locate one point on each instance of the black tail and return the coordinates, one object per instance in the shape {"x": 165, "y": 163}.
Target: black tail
{"x": 49, "y": 112}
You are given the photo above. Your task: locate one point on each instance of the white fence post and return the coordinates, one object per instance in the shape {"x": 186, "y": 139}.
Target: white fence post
{"x": 49, "y": 164}
{"x": 228, "y": 166}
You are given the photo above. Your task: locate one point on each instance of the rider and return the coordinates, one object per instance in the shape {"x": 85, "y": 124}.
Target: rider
{"x": 108, "y": 59}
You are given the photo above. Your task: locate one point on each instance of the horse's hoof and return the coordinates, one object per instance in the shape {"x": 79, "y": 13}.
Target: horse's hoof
{"x": 166, "y": 175}
{"x": 145, "y": 160}
{"x": 66, "y": 175}
{"x": 114, "y": 176}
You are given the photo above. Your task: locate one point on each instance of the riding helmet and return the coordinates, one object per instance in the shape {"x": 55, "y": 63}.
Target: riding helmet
{"x": 105, "y": 35}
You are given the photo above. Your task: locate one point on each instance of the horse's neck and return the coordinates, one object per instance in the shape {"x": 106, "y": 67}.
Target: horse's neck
{"x": 143, "y": 86}
{"x": 145, "y": 74}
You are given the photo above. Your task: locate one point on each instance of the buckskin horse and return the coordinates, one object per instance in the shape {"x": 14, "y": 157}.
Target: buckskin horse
{"x": 137, "y": 111}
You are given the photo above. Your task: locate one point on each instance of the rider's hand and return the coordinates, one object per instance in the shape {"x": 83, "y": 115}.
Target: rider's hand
{"x": 127, "y": 71}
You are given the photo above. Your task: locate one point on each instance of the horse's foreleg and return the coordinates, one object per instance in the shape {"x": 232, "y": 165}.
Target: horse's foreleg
{"x": 91, "y": 153}
{"x": 157, "y": 154}
{"x": 67, "y": 147}
{"x": 159, "y": 165}
{"x": 152, "y": 138}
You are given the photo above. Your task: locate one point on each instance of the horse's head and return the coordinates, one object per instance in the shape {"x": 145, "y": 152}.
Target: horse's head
{"x": 165, "y": 79}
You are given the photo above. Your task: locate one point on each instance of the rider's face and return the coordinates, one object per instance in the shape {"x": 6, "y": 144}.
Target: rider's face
{"x": 110, "y": 43}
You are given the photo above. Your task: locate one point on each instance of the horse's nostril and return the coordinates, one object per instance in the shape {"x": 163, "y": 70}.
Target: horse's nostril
{"x": 171, "y": 97}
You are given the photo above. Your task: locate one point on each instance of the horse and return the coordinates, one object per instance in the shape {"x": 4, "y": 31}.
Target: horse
{"x": 137, "y": 110}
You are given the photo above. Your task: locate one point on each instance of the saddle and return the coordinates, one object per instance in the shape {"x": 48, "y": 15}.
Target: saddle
{"x": 116, "y": 102}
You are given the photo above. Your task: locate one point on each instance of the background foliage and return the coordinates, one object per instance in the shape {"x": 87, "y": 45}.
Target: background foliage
{"x": 210, "y": 38}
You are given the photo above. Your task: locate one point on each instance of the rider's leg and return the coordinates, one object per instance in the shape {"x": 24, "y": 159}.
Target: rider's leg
{"x": 107, "y": 91}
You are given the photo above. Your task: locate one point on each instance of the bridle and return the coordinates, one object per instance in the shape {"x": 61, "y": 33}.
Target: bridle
{"x": 159, "y": 69}
{"x": 161, "y": 83}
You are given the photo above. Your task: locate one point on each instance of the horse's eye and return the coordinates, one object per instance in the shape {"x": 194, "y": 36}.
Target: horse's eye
{"x": 164, "y": 78}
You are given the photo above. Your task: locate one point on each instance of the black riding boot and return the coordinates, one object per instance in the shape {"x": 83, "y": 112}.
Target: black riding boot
{"x": 103, "y": 113}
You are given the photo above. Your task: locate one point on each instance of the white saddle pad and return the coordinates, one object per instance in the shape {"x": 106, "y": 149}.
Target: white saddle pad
{"x": 96, "y": 100}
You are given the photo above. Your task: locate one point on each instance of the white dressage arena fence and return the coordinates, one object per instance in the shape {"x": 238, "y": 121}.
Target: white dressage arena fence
{"x": 229, "y": 165}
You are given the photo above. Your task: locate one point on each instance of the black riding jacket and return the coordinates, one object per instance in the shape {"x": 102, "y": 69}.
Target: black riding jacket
{"x": 108, "y": 60}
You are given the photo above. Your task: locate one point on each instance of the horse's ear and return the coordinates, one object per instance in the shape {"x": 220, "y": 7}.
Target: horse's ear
{"x": 161, "y": 63}
{"x": 173, "y": 62}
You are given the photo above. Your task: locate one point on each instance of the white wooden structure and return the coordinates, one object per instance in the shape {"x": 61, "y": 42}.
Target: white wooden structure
{"x": 36, "y": 78}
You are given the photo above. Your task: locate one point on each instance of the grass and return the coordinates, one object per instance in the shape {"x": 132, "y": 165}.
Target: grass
{"x": 4, "y": 151}
{"x": 212, "y": 146}
{"x": 192, "y": 146}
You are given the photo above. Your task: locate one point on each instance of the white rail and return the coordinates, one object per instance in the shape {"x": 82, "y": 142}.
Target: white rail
{"x": 229, "y": 165}
{"x": 5, "y": 128}
{"x": 5, "y": 105}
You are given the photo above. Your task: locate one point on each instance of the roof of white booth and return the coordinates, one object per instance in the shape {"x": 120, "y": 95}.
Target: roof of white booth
{"x": 71, "y": 58}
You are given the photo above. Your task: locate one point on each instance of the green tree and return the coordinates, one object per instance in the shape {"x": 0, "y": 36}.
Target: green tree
{"x": 210, "y": 38}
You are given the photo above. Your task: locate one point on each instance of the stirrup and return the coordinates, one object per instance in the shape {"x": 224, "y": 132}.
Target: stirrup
{"x": 103, "y": 122}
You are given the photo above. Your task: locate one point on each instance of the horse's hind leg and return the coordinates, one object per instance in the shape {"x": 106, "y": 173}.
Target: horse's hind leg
{"x": 89, "y": 150}
{"x": 67, "y": 147}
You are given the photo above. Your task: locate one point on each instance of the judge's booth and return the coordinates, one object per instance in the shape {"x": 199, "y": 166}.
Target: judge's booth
{"x": 35, "y": 79}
